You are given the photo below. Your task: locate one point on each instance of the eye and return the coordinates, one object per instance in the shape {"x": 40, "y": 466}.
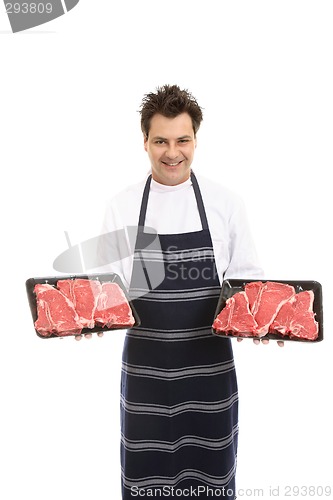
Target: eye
{"x": 184, "y": 140}
{"x": 159, "y": 142}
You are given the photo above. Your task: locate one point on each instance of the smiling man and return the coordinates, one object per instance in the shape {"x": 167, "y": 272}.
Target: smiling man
{"x": 170, "y": 144}
{"x": 179, "y": 399}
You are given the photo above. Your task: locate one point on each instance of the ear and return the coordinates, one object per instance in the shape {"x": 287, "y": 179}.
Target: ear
{"x": 145, "y": 141}
{"x": 195, "y": 141}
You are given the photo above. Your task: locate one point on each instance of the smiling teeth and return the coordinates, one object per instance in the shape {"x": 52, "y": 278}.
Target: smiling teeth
{"x": 172, "y": 164}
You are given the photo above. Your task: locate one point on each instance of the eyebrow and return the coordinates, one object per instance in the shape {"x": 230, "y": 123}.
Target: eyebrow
{"x": 159, "y": 138}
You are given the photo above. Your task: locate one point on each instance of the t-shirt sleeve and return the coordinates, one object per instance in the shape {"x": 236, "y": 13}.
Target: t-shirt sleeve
{"x": 244, "y": 262}
{"x": 114, "y": 252}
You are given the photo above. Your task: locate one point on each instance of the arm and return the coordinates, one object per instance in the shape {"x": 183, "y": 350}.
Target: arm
{"x": 243, "y": 261}
{"x": 114, "y": 247}
{"x": 112, "y": 251}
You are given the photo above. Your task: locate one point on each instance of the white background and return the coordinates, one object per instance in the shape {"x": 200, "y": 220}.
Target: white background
{"x": 70, "y": 138}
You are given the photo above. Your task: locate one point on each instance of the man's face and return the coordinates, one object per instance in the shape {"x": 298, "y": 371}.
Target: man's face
{"x": 170, "y": 146}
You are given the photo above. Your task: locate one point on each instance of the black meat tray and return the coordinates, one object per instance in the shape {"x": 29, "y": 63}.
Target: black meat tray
{"x": 232, "y": 286}
{"x": 52, "y": 280}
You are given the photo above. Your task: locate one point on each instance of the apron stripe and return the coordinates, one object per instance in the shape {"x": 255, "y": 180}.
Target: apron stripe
{"x": 190, "y": 406}
{"x": 187, "y": 474}
{"x": 169, "y": 336}
{"x": 202, "y": 254}
{"x": 196, "y": 294}
{"x": 170, "y": 447}
{"x": 173, "y": 374}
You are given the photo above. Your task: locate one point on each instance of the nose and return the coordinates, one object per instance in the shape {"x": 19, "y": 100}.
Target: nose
{"x": 172, "y": 152}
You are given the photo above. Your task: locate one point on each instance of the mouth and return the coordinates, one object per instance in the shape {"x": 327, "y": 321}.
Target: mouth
{"x": 172, "y": 164}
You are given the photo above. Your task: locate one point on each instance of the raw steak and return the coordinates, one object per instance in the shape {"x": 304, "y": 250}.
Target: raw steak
{"x": 55, "y": 312}
{"x": 269, "y": 307}
{"x": 252, "y": 291}
{"x": 83, "y": 293}
{"x": 112, "y": 308}
{"x": 296, "y": 318}
{"x": 222, "y": 320}
{"x": 283, "y": 318}
{"x": 270, "y": 299}
{"x": 236, "y": 316}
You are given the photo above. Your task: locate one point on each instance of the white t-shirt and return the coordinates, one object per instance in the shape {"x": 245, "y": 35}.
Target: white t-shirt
{"x": 173, "y": 210}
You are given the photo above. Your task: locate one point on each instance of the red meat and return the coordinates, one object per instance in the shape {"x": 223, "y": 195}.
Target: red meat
{"x": 80, "y": 303}
{"x": 55, "y": 312}
{"x": 112, "y": 308}
{"x": 281, "y": 323}
{"x": 271, "y": 298}
{"x": 83, "y": 293}
{"x": 269, "y": 307}
{"x": 236, "y": 316}
{"x": 252, "y": 291}
{"x": 222, "y": 320}
{"x": 296, "y": 318}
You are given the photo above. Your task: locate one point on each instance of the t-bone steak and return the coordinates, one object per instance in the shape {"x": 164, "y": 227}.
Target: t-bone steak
{"x": 296, "y": 317}
{"x": 83, "y": 293}
{"x": 55, "y": 313}
{"x": 75, "y": 304}
{"x": 112, "y": 307}
{"x": 268, "y": 307}
{"x": 236, "y": 315}
{"x": 270, "y": 298}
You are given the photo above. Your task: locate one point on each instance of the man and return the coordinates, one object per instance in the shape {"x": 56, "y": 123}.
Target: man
{"x": 179, "y": 400}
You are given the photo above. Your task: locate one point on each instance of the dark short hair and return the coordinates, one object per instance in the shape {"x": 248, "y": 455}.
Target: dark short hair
{"x": 169, "y": 101}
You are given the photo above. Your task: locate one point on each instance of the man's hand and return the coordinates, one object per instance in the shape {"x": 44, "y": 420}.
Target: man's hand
{"x": 280, "y": 343}
{"x": 88, "y": 335}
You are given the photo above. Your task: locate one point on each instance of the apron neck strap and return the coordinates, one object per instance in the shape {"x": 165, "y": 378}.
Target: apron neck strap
{"x": 201, "y": 208}
{"x": 144, "y": 204}
{"x": 145, "y": 196}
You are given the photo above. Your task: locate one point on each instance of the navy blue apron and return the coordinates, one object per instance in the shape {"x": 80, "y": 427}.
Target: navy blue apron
{"x": 179, "y": 399}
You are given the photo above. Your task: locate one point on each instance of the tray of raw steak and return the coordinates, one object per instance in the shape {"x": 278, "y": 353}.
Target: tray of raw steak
{"x": 280, "y": 310}
{"x": 71, "y": 305}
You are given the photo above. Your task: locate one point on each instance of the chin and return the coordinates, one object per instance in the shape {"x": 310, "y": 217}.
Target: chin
{"x": 173, "y": 180}
{"x": 169, "y": 177}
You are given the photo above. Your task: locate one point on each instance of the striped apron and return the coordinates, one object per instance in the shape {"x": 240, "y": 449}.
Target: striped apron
{"x": 179, "y": 400}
